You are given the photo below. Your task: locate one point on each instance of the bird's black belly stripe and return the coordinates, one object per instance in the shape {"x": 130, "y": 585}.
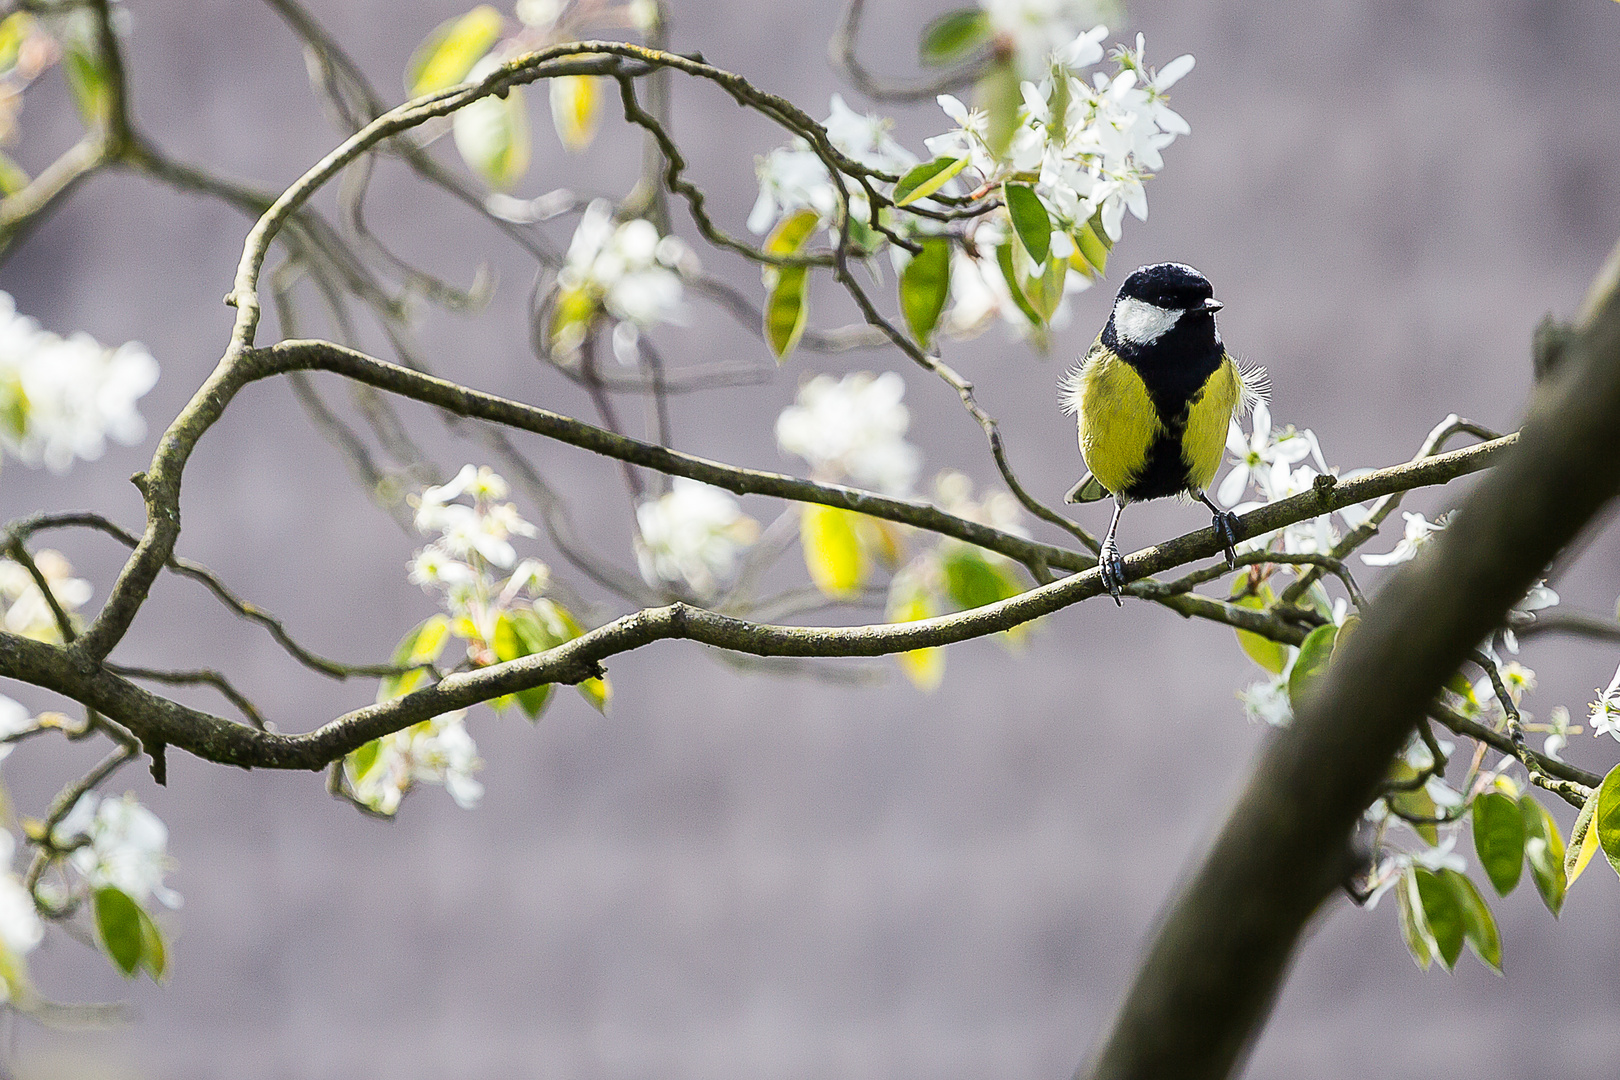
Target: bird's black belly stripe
{"x": 1165, "y": 472}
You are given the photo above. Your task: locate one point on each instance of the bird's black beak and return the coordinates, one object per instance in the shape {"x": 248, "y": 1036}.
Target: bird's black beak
{"x": 1209, "y": 307}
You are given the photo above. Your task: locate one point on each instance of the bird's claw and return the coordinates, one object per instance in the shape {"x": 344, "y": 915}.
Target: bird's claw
{"x": 1113, "y": 571}
{"x": 1229, "y": 533}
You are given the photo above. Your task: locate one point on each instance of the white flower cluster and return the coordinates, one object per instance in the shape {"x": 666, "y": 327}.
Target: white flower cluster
{"x": 853, "y": 429}
{"x": 792, "y": 177}
{"x": 127, "y": 847}
{"x": 1268, "y": 460}
{"x": 436, "y": 751}
{"x": 626, "y": 268}
{"x": 473, "y": 540}
{"x": 694, "y": 534}
{"x": 1090, "y": 145}
{"x": 62, "y": 398}
{"x": 26, "y": 610}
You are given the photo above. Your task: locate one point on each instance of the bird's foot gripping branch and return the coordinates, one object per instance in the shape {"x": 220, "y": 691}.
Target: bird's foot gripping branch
{"x": 1009, "y": 212}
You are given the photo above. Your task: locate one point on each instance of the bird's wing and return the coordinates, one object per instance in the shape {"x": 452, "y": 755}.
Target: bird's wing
{"x": 1087, "y": 490}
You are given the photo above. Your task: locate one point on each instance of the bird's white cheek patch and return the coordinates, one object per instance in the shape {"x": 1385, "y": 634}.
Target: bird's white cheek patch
{"x": 1138, "y": 322}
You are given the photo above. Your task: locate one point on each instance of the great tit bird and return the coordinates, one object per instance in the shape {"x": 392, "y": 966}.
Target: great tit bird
{"x": 1154, "y": 396}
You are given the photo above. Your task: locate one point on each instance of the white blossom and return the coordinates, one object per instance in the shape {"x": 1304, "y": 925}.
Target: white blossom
{"x": 626, "y": 267}
{"x": 794, "y": 177}
{"x": 694, "y": 534}
{"x": 1538, "y": 598}
{"x": 1418, "y": 531}
{"x": 1255, "y": 456}
{"x": 1268, "y": 702}
{"x": 436, "y": 751}
{"x": 1558, "y": 739}
{"x": 127, "y": 849}
{"x": 62, "y": 398}
{"x": 1441, "y": 857}
{"x": 482, "y": 529}
{"x": 1605, "y": 716}
{"x": 853, "y": 429}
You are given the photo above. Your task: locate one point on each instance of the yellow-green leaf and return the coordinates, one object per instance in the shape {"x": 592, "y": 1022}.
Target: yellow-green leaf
{"x": 1314, "y": 654}
{"x": 952, "y": 35}
{"x": 92, "y": 94}
{"x": 1583, "y": 841}
{"x": 925, "y": 283}
{"x": 1479, "y": 925}
{"x": 791, "y": 233}
{"x": 1606, "y": 817}
{"x": 1413, "y": 930}
{"x": 598, "y": 691}
{"x": 448, "y": 54}
{"x": 1270, "y": 655}
{"x": 492, "y": 136}
{"x": 1009, "y": 274}
{"x": 422, "y": 645}
{"x": 908, "y": 602}
{"x": 1030, "y": 221}
{"x": 575, "y": 102}
{"x": 1000, "y": 94}
{"x": 118, "y": 922}
{"x": 154, "y": 956}
{"x": 13, "y": 178}
{"x": 1499, "y": 839}
{"x": 787, "y": 309}
{"x": 1441, "y": 913}
{"x": 921, "y": 181}
{"x": 14, "y": 30}
{"x": 1045, "y": 290}
{"x": 1544, "y": 851}
{"x": 832, "y": 550}
{"x": 1092, "y": 244}
{"x": 1416, "y": 802}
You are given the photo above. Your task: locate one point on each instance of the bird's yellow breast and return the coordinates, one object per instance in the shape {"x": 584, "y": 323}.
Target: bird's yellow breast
{"x": 1118, "y": 423}
{"x": 1209, "y": 415}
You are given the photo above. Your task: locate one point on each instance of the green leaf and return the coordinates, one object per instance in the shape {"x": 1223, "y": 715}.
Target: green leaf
{"x": 1606, "y": 815}
{"x": 832, "y": 550}
{"x": 1001, "y": 95}
{"x": 1093, "y": 244}
{"x": 92, "y": 93}
{"x": 118, "y": 921}
{"x": 13, "y": 178}
{"x": 1499, "y": 839}
{"x": 1544, "y": 851}
{"x": 1441, "y": 913}
{"x": 973, "y": 580}
{"x": 1045, "y": 290}
{"x": 1270, "y": 655}
{"x": 448, "y": 54}
{"x": 361, "y": 761}
{"x": 1584, "y": 841}
{"x": 521, "y": 632}
{"x": 1413, "y": 931}
{"x": 421, "y": 646}
{"x": 154, "y": 956}
{"x": 952, "y": 35}
{"x": 1479, "y": 925}
{"x": 1004, "y": 260}
{"x": 1029, "y": 219}
{"x": 1314, "y": 654}
{"x": 921, "y": 181}
{"x": 492, "y": 137}
{"x": 1417, "y": 803}
{"x": 925, "y": 284}
{"x": 787, "y": 310}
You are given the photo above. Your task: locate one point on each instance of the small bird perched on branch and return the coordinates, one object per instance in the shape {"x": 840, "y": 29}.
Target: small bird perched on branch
{"x": 1154, "y": 396}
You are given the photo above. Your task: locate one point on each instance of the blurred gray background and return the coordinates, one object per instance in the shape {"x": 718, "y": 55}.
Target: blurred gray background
{"x": 742, "y": 876}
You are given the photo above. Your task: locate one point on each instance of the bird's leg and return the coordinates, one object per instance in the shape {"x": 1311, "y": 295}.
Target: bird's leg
{"x": 1108, "y": 560}
{"x": 1226, "y": 528}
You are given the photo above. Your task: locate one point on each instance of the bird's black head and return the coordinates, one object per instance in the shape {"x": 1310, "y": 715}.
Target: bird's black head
{"x": 1175, "y": 286}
